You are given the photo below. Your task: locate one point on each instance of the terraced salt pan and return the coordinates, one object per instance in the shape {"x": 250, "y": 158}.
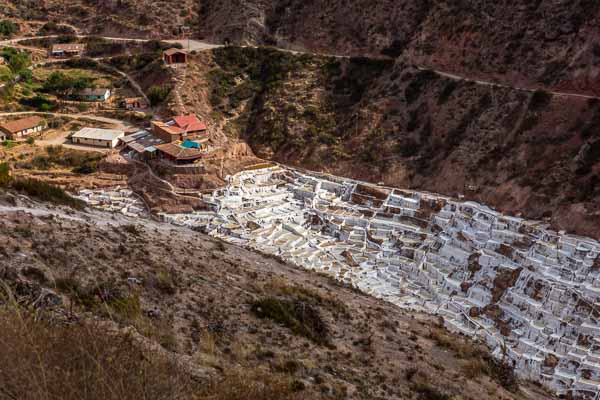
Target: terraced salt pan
{"x": 512, "y": 283}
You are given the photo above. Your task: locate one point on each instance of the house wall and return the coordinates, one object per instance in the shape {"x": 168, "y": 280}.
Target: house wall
{"x": 163, "y": 134}
{"x": 97, "y": 142}
{"x": 104, "y": 97}
{"x": 26, "y": 132}
{"x": 176, "y": 59}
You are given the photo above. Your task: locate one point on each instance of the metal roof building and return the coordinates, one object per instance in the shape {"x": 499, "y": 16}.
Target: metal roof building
{"x": 98, "y": 137}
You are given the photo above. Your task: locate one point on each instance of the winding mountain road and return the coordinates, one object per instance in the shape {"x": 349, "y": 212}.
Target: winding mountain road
{"x": 197, "y": 45}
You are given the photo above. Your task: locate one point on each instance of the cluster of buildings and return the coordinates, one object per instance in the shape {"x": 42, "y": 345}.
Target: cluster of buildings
{"x": 531, "y": 294}
{"x": 185, "y": 139}
{"x": 182, "y": 140}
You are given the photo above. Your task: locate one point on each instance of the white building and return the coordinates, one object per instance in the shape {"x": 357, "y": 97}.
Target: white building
{"x": 108, "y": 138}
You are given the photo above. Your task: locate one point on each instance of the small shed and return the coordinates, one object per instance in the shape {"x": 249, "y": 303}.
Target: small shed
{"x": 67, "y": 49}
{"x": 175, "y": 56}
{"x": 134, "y": 103}
{"x": 100, "y": 94}
{"x": 98, "y": 137}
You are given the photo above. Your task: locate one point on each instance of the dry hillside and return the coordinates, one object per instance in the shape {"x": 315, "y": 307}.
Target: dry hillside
{"x": 537, "y": 43}
{"x": 215, "y": 310}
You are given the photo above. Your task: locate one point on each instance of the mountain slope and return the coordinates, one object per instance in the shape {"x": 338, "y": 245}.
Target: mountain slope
{"x": 218, "y": 310}
{"x": 537, "y": 43}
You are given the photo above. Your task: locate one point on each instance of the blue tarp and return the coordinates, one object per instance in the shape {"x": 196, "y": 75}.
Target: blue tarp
{"x": 188, "y": 144}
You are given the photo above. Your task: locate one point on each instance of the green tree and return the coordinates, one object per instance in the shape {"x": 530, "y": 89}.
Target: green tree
{"x": 59, "y": 82}
{"x": 158, "y": 94}
{"x": 8, "y": 28}
{"x": 17, "y": 61}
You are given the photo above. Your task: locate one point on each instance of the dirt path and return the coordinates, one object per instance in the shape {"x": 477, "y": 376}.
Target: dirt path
{"x": 197, "y": 45}
{"x": 122, "y": 125}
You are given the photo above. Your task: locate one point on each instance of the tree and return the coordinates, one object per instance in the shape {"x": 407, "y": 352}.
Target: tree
{"x": 158, "y": 94}
{"x": 8, "y": 28}
{"x": 17, "y": 61}
{"x": 59, "y": 82}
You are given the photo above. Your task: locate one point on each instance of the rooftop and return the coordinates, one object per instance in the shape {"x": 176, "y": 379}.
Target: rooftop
{"x": 99, "y": 134}
{"x": 172, "y": 51}
{"x": 22, "y": 124}
{"x": 178, "y": 152}
{"x": 190, "y": 123}
{"x": 68, "y": 47}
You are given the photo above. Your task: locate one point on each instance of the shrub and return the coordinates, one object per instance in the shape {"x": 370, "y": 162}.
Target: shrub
{"x": 4, "y": 174}
{"x": 416, "y": 86}
{"x": 447, "y": 91}
{"x": 8, "y": 28}
{"x": 300, "y": 317}
{"x": 46, "y": 192}
{"x": 539, "y": 100}
{"x": 17, "y": 60}
{"x": 52, "y": 28}
{"x": 40, "y": 103}
{"x": 30, "y": 140}
{"x": 158, "y": 94}
{"x": 60, "y": 82}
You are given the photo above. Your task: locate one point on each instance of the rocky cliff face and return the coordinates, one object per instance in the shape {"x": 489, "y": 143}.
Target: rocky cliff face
{"x": 527, "y": 42}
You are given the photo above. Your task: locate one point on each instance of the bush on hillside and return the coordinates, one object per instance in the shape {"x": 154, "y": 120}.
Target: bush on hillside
{"x": 39, "y": 103}
{"x": 52, "y": 28}
{"x": 62, "y": 83}
{"x": 300, "y": 317}
{"x": 8, "y": 28}
{"x": 4, "y": 174}
{"x": 46, "y": 192}
{"x": 158, "y": 94}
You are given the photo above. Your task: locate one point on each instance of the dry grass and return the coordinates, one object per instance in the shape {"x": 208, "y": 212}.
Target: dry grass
{"x": 242, "y": 384}
{"x": 476, "y": 361}
{"x": 40, "y": 360}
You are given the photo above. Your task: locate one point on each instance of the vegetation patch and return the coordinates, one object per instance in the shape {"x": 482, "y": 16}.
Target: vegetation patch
{"x": 8, "y": 28}
{"x": 78, "y": 361}
{"x": 58, "y": 156}
{"x": 477, "y": 361}
{"x": 300, "y": 317}
{"x": 46, "y": 192}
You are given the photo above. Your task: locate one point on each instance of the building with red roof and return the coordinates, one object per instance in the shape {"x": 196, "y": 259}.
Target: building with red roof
{"x": 181, "y": 128}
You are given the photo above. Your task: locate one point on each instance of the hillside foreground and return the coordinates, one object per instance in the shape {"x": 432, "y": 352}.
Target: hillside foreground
{"x": 199, "y": 319}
